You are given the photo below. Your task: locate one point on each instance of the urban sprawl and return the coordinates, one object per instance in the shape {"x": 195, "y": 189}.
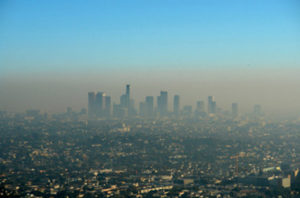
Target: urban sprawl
{"x": 116, "y": 151}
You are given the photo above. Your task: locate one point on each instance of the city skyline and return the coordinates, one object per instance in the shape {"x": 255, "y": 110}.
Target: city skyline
{"x": 100, "y": 106}
{"x": 235, "y": 50}
{"x": 158, "y": 98}
{"x": 168, "y": 102}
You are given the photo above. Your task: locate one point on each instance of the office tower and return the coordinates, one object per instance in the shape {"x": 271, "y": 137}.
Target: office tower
{"x": 149, "y": 106}
{"x": 209, "y": 104}
{"x": 176, "y": 105}
{"x": 235, "y": 109}
{"x": 119, "y": 111}
{"x": 91, "y": 105}
{"x": 127, "y": 103}
{"x": 100, "y": 102}
{"x": 131, "y": 109}
{"x": 162, "y": 103}
{"x": 212, "y": 105}
{"x": 123, "y": 100}
{"x": 128, "y": 90}
{"x": 200, "y": 107}
{"x": 127, "y": 97}
{"x": 107, "y": 108}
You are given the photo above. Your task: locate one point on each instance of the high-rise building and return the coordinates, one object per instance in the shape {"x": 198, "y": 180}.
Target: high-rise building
{"x": 91, "y": 104}
{"x": 176, "y": 105}
{"x": 149, "y": 106}
{"x": 119, "y": 111}
{"x": 163, "y": 103}
{"x": 131, "y": 109}
{"x": 127, "y": 103}
{"x": 200, "y": 106}
{"x": 99, "y": 105}
{"x": 212, "y": 105}
{"x": 128, "y": 90}
{"x": 100, "y": 102}
{"x": 200, "y": 109}
{"x": 235, "y": 109}
{"x": 107, "y": 108}
{"x": 125, "y": 98}
{"x": 123, "y": 101}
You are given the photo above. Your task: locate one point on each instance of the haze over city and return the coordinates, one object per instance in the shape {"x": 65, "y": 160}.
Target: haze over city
{"x": 157, "y": 98}
{"x": 276, "y": 90}
{"x": 52, "y": 54}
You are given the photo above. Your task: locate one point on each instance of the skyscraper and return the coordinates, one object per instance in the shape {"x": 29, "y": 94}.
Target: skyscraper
{"x": 119, "y": 111}
{"x": 99, "y": 105}
{"x": 91, "y": 105}
{"x": 128, "y": 90}
{"x": 100, "y": 102}
{"x": 163, "y": 103}
{"x": 235, "y": 109}
{"x": 200, "y": 107}
{"x": 149, "y": 106}
{"x": 125, "y": 98}
{"x": 212, "y": 105}
{"x": 123, "y": 101}
{"x": 176, "y": 105}
{"x": 107, "y": 108}
{"x": 127, "y": 103}
{"x": 131, "y": 109}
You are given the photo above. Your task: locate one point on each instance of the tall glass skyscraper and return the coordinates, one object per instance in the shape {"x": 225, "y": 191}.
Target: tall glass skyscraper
{"x": 176, "y": 105}
{"x": 162, "y": 103}
{"x": 100, "y": 102}
{"x": 212, "y": 105}
{"x": 149, "y": 106}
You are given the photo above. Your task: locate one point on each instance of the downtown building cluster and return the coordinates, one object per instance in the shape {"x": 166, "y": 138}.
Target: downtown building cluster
{"x": 100, "y": 106}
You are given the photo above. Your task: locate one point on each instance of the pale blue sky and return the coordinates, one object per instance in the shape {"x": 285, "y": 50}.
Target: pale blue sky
{"x": 78, "y": 35}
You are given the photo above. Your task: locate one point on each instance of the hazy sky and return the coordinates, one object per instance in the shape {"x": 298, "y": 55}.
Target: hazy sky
{"x": 53, "y": 52}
